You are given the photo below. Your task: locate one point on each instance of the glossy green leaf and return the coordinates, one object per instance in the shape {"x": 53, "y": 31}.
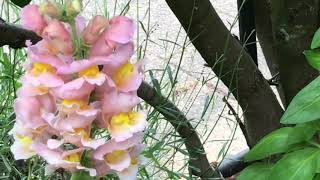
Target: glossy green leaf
{"x": 313, "y": 57}
{"x": 81, "y": 175}
{"x": 305, "y": 105}
{"x": 257, "y": 171}
{"x": 21, "y": 3}
{"x": 302, "y": 132}
{"x": 298, "y": 165}
{"x": 316, "y": 40}
{"x": 273, "y": 143}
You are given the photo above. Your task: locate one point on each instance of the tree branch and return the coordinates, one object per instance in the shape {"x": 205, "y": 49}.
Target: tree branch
{"x": 15, "y": 36}
{"x": 198, "y": 162}
{"x": 236, "y": 69}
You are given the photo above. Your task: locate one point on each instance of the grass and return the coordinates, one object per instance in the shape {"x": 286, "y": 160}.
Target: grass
{"x": 170, "y": 68}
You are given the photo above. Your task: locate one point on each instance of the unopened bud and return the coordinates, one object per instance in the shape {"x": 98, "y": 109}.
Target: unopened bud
{"x": 51, "y": 9}
{"x": 73, "y": 7}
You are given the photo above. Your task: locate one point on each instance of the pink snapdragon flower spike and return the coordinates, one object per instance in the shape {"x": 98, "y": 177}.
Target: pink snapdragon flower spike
{"x": 79, "y": 92}
{"x": 32, "y": 19}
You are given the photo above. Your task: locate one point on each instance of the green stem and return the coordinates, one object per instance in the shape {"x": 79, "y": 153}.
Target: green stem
{"x": 81, "y": 175}
{"x": 75, "y": 40}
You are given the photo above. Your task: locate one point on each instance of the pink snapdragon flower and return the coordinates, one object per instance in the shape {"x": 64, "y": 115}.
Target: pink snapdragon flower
{"x": 32, "y": 19}
{"x": 94, "y": 29}
{"x": 59, "y": 37}
{"x": 79, "y": 87}
{"x": 116, "y": 155}
{"x": 29, "y": 112}
{"x": 119, "y": 32}
{"x": 57, "y": 158}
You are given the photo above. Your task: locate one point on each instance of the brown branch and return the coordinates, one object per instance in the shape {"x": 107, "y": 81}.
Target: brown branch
{"x": 236, "y": 69}
{"x": 15, "y": 36}
{"x": 198, "y": 162}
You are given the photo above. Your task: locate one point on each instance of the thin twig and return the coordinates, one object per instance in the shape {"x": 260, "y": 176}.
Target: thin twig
{"x": 238, "y": 119}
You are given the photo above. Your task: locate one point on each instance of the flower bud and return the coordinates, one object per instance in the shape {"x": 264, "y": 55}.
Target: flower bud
{"x": 73, "y": 7}
{"x": 51, "y": 9}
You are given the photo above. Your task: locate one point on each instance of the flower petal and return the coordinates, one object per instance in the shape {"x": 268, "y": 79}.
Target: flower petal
{"x": 121, "y": 30}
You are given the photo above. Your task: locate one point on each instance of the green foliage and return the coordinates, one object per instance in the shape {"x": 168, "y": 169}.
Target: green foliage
{"x": 305, "y": 105}
{"x": 21, "y": 3}
{"x": 313, "y": 57}
{"x": 275, "y": 142}
{"x": 282, "y": 140}
{"x": 302, "y": 132}
{"x": 316, "y": 40}
{"x": 297, "y": 165}
{"x": 257, "y": 171}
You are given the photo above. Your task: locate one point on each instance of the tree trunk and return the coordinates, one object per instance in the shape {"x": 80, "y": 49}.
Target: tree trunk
{"x": 265, "y": 36}
{"x": 294, "y": 23}
{"x": 236, "y": 68}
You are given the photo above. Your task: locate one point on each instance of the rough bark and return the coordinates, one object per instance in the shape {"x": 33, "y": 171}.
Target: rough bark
{"x": 247, "y": 27}
{"x": 265, "y": 36}
{"x": 209, "y": 35}
{"x": 293, "y": 24}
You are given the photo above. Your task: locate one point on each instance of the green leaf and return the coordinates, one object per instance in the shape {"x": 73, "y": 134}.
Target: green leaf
{"x": 273, "y": 143}
{"x": 21, "y": 3}
{"x": 298, "y": 165}
{"x": 302, "y": 132}
{"x": 305, "y": 105}
{"x": 257, "y": 171}
{"x": 316, "y": 40}
{"x": 313, "y": 57}
{"x": 316, "y": 177}
{"x": 81, "y": 175}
